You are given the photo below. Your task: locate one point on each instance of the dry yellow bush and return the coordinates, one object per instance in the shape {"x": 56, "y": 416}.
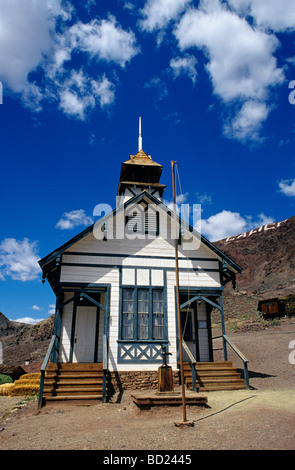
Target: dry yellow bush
{"x": 27, "y": 384}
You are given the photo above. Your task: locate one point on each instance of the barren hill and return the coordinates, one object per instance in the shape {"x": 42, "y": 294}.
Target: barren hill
{"x": 25, "y": 342}
{"x": 8, "y": 327}
{"x": 267, "y": 256}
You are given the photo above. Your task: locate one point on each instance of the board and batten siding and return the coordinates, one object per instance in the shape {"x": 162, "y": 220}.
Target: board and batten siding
{"x": 203, "y": 333}
{"x": 140, "y": 263}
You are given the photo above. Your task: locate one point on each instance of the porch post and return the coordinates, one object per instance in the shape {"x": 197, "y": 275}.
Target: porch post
{"x": 105, "y": 342}
{"x": 223, "y": 327}
{"x": 57, "y": 326}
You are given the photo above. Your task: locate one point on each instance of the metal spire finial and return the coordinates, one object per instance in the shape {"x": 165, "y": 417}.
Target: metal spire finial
{"x": 139, "y": 138}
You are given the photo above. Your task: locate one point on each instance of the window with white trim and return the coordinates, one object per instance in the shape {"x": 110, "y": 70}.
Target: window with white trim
{"x": 142, "y": 314}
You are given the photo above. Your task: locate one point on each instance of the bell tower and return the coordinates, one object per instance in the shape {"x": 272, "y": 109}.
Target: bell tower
{"x": 140, "y": 173}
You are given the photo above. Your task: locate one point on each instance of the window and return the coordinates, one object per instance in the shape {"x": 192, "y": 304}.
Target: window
{"x": 142, "y": 314}
{"x": 158, "y": 314}
{"x": 127, "y": 318}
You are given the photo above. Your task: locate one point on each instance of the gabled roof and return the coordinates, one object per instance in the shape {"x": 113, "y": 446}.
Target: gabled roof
{"x": 54, "y": 255}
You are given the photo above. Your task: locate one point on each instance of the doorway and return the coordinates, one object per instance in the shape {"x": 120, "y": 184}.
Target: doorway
{"x": 85, "y": 333}
{"x": 196, "y": 331}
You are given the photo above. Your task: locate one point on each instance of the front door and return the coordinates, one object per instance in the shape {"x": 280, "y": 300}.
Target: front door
{"x": 85, "y": 334}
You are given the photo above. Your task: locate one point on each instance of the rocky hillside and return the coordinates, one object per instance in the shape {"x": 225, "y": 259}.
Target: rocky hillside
{"x": 26, "y": 342}
{"x": 267, "y": 256}
{"x": 8, "y": 327}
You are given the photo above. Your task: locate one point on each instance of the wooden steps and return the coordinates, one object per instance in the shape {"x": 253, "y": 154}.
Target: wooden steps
{"x": 212, "y": 376}
{"x": 73, "y": 381}
{"x": 148, "y": 398}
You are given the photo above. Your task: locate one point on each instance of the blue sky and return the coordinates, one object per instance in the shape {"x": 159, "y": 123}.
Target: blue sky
{"x": 212, "y": 81}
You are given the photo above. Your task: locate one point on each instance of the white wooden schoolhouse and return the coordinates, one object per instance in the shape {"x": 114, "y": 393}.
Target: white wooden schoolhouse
{"x": 115, "y": 287}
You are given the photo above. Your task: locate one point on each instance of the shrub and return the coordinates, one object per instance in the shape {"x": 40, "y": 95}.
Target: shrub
{"x": 5, "y": 379}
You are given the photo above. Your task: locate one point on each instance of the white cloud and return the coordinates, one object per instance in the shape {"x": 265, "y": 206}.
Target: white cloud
{"x": 184, "y": 66}
{"x": 240, "y": 63}
{"x": 158, "y": 13}
{"x": 287, "y": 187}
{"x": 182, "y": 207}
{"x": 276, "y": 15}
{"x": 222, "y": 225}
{"x": 262, "y": 220}
{"x": 51, "y": 309}
{"x": 79, "y": 94}
{"x": 179, "y": 199}
{"x": 204, "y": 198}
{"x": 36, "y": 36}
{"x": 29, "y": 320}
{"x": 36, "y": 308}
{"x": 74, "y": 219}
{"x": 19, "y": 259}
{"x": 105, "y": 40}
{"x": 103, "y": 90}
{"x": 74, "y": 105}
{"x": 248, "y": 121}
{"x": 227, "y": 223}
{"x": 25, "y": 36}
{"x": 159, "y": 86}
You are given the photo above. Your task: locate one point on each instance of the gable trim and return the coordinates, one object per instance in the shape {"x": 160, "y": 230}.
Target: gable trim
{"x": 144, "y": 194}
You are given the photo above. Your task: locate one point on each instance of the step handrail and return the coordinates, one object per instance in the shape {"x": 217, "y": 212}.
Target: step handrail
{"x": 43, "y": 368}
{"x": 104, "y": 366}
{"x": 188, "y": 352}
{"x": 193, "y": 361}
{"x": 241, "y": 356}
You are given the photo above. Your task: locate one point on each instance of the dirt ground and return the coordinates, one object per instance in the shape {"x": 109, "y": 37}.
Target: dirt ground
{"x": 262, "y": 418}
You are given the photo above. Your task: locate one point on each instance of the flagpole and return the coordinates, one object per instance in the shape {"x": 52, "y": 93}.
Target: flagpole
{"x": 177, "y": 295}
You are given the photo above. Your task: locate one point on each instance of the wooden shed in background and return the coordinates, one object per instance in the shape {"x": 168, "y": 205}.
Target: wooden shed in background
{"x": 277, "y": 306}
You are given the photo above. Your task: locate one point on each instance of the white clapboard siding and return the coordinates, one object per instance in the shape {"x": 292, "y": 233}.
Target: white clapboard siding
{"x": 195, "y": 279}
{"x": 136, "y": 261}
{"x": 89, "y": 274}
{"x": 139, "y": 261}
{"x": 140, "y": 246}
{"x": 66, "y": 329}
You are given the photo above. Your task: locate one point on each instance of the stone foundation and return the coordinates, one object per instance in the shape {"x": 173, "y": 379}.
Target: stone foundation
{"x": 135, "y": 380}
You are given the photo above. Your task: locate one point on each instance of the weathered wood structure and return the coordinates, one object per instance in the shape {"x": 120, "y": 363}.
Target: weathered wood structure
{"x": 116, "y": 295}
{"x": 277, "y": 306}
